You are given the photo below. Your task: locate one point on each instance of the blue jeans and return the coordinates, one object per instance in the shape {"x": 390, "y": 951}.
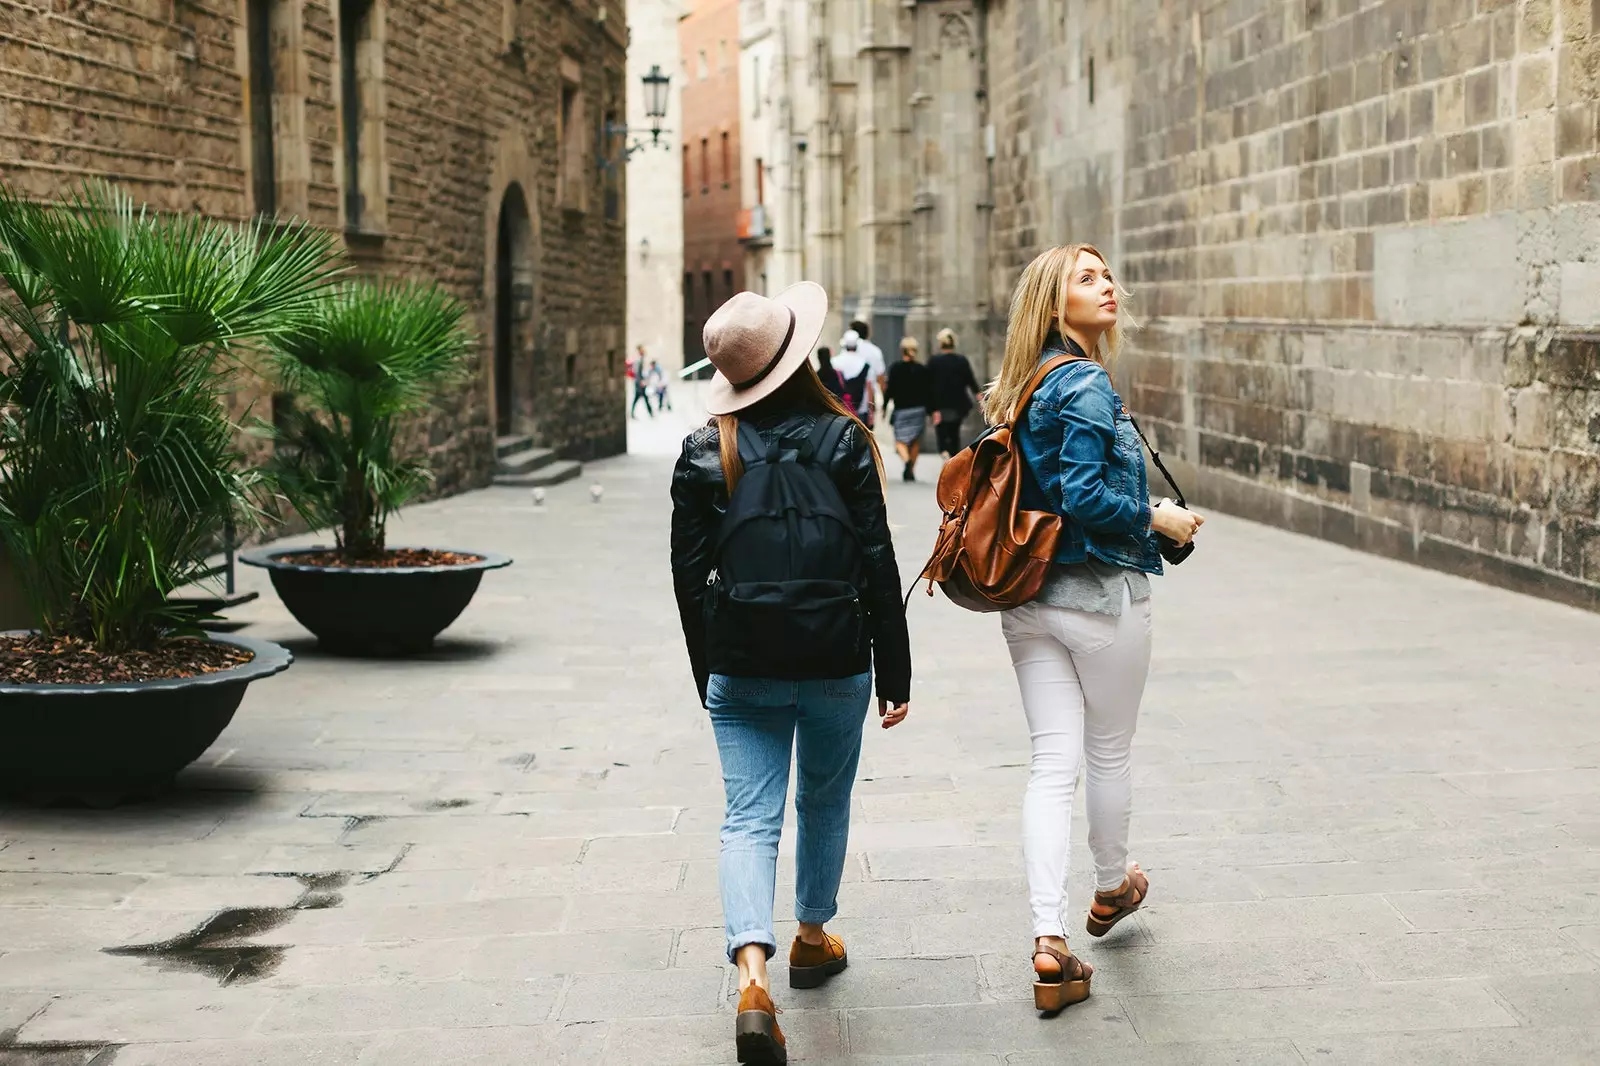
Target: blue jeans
{"x": 757, "y": 721}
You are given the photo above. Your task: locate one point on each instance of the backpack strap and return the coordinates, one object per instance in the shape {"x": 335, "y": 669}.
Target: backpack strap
{"x": 1037, "y": 380}
{"x": 752, "y": 449}
{"x": 825, "y": 436}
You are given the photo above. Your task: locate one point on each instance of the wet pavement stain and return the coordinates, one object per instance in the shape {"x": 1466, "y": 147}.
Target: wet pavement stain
{"x": 321, "y": 891}
{"x": 216, "y": 947}
{"x": 56, "y": 1053}
{"x": 445, "y": 804}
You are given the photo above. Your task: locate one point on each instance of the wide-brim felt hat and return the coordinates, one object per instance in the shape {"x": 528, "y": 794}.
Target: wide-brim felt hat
{"x": 757, "y": 343}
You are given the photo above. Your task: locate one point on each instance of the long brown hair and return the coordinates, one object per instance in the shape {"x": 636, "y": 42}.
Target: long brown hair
{"x": 803, "y": 393}
{"x": 1038, "y": 305}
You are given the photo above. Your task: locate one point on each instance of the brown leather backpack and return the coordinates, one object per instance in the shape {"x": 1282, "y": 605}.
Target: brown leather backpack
{"x": 991, "y": 554}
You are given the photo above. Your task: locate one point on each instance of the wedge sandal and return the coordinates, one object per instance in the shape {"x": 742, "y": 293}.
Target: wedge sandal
{"x": 1122, "y": 901}
{"x": 1070, "y": 984}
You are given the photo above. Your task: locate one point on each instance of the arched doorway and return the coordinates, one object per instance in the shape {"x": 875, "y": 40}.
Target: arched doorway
{"x": 513, "y": 310}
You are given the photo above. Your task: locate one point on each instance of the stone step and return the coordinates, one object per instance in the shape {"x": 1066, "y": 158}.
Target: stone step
{"x": 550, "y": 474}
{"x": 511, "y": 445}
{"x": 525, "y": 462}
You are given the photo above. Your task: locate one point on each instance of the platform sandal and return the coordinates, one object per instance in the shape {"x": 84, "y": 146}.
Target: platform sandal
{"x": 1069, "y": 985}
{"x": 1111, "y": 907}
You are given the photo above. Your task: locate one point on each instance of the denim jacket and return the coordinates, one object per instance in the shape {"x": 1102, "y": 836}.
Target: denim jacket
{"x": 1087, "y": 465}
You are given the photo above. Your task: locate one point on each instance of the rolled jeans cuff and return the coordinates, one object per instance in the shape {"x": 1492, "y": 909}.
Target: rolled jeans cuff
{"x": 753, "y": 936}
{"x": 815, "y": 915}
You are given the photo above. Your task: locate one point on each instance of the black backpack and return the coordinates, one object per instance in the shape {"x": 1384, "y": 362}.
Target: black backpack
{"x": 784, "y": 598}
{"x": 856, "y": 388}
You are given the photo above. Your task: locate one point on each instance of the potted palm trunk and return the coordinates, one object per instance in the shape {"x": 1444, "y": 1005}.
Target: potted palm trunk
{"x": 119, "y": 472}
{"x": 374, "y": 354}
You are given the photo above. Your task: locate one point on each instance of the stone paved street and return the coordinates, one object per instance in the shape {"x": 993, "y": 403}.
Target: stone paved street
{"x": 1368, "y": 796}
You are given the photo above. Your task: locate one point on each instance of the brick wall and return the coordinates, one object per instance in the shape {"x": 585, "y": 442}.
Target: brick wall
{"x": 712, "y": 191}
{"x": 1365, "y": 240}
{"x": 153, "y": 95}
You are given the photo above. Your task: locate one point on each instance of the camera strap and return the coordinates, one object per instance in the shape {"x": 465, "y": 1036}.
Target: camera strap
{"x": 1176, "y": 491}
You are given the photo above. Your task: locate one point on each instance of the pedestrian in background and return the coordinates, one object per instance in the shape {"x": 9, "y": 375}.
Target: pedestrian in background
{"x": 909, "y": 391}
{"x": 954, "y": 392}
{"x": 1081, "y": 648}
{"x": 658, "y": 386}
{"x": 827, "y": 374}
{"x": 641, "y": 388}
{"x": 878, "y": 379}
{"x": 856, "y": 374}
{"x": 789, "y": 596}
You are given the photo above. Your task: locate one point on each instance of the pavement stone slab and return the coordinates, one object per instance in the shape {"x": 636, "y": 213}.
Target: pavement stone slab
{"x": 505, "y": 851}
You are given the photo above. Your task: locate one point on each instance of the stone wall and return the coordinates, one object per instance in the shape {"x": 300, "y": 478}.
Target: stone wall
{"x": 1365, "y": 238}
{"x": 462, "y": 101}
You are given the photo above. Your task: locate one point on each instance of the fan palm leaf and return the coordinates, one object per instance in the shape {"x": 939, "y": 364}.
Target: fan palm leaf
{"x": 370, "y": 355}
{"x": 119, "y": 467}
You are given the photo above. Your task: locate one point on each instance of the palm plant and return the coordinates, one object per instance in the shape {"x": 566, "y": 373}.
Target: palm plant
{"x": 372, "y": 354}
{"x": 118, "y": 464}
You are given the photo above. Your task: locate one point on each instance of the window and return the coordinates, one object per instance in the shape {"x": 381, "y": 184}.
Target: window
{"x": 705, "y": 166}
{"x": 572, "y": 371}
{"x": 763, "y": 283}
{"x": 727, "y": 283}
{"x": 361, "y": 114}
{"x": 755, "y": 86}
{"x": 724, "y": 159}
{"x": 711, "y": 296}
{"x": 1091, "y": 79}
{"x": 722, "y": 56}
{"x": 688, "y": 295}
{"x": 263, "y": 155}
{"x": 761, "y": 182}
{"x": 613, "y": 175}
{"x": 572, "y": 190}
{"x": 688, "y": 171}
{"x": 704, "y": 69}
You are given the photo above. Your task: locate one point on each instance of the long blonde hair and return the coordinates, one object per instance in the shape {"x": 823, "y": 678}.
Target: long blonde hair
{"x": 1037, "y": 306}
{"x": 805, "y": 393}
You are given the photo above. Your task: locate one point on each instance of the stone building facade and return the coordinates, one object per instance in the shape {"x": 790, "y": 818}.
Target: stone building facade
{"x": 713, "y": 261}
{"x": 1366, "y": 238}
{"x": 1362, "y": 236}
{"x": 655, "y": 188}
{"x": 462, "y": 142}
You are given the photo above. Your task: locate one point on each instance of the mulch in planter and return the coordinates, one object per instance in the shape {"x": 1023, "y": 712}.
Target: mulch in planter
{"x": 394, "y": 557}
{"x": 40, "y": 660}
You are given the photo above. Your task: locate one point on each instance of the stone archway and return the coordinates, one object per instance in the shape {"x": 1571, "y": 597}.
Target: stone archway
{"x": 513, "y": 312}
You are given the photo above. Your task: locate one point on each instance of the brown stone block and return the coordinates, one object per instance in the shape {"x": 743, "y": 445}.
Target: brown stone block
{"x": 1474, "y": 195}
{"x": 1444, "y": 199}
{"x": 1575, "y": 130}
{"x": 1578, "y": 71}
{"x": 1580, "y": 179}
{"x": 1575, "y": 481}
{"x": 1462, "y": 153}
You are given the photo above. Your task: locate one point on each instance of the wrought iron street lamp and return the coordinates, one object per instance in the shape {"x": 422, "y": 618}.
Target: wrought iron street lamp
{"x": 656, "y": 98}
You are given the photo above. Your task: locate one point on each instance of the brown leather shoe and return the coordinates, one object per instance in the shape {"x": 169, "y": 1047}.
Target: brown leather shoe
{"x": 755, "y": 1030}
{"x": 812, "y": 964}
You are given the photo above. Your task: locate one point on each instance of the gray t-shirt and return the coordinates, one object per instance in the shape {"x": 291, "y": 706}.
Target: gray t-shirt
{"x": 1092, "y": 585}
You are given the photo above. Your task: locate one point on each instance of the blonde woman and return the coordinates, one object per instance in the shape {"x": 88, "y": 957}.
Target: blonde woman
{"x": 908, "y": 391}
{"x": 1081, "y": 649}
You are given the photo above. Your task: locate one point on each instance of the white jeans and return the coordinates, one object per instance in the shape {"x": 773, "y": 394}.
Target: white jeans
{"x": 1082, "y": 676}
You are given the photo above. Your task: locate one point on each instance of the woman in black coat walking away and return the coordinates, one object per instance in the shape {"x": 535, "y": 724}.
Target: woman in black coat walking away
{"x": 789, "y": 597}
{"x": 954, "y": 390}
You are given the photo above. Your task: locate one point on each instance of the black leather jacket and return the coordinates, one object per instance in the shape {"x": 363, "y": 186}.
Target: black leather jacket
{"x": 700, "y": 498}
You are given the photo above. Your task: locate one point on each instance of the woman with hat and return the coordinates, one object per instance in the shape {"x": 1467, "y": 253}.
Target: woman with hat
{"x": 771, "y": 411}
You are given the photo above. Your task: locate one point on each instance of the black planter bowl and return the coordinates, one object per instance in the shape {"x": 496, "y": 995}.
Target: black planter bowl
{"x": 106, "y": 744}
{"x": 377, "y": 611}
